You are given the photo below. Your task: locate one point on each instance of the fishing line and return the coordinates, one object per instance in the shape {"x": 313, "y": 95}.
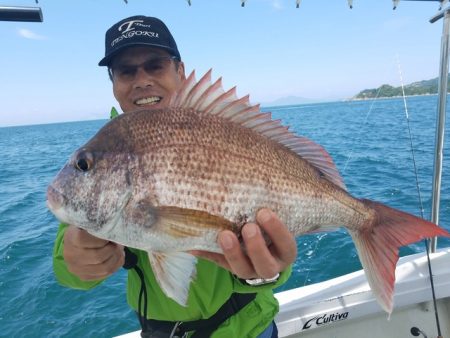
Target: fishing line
{"x": 361, "y": 130}
{"x": 312, "y": 253}
{"x": 410, "y": 139}
{"x": 426, "y": 240}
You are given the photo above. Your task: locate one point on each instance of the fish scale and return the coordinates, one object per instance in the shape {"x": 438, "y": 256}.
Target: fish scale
{"x": 168, "y": 181}
{"x": 254, "y": 164}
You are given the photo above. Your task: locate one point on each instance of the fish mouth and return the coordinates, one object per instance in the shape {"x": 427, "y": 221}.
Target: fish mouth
{"x": 147, "y": 101}
{"x": 55, "y": 200}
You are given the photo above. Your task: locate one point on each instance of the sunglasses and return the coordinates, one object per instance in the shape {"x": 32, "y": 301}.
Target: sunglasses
{"x": 153, "y": 67}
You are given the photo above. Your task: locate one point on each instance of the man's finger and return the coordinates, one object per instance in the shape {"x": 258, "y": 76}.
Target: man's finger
{"x": 284, "y": 246}
{"x": 238, "y": 261}
{"x": 86, "y": 240}
{"x": 99, "y": 268}
{"x": 264, "y": 264}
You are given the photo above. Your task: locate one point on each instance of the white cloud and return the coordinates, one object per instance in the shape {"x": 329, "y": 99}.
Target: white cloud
{"x": 27, "y": 34}
{"x": 277, "y": 4}
{"x": 397, "y": 24}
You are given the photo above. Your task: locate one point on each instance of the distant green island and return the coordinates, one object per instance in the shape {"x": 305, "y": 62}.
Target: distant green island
{"x": 426, "y": 87}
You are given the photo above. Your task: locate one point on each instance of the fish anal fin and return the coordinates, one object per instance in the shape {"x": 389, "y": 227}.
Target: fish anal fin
{"x": 378, "y": 246}
{"x": 174, "y": 272}
{"x": 181, "y": 222}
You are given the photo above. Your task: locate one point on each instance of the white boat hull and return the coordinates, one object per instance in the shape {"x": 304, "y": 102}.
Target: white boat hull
{"x": 345, "y": 307}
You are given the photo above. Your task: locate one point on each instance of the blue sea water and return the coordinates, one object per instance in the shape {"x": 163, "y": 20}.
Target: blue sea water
{"x": 367, "y": 139}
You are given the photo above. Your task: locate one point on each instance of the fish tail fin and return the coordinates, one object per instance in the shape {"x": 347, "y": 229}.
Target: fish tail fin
{"x": 378, "y": 246}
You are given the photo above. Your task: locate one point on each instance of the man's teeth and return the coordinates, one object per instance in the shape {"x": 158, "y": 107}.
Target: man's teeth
{"x": 148, "y": 100}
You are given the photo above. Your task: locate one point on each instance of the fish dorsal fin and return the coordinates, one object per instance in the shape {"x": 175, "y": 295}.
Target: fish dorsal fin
{"x": 182, "y": 95}
{"x": 212, "y": 99}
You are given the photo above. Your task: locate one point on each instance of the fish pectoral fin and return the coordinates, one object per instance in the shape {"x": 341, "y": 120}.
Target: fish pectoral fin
{"x": 181, "y": 222}
{"x": 174, "y": 272}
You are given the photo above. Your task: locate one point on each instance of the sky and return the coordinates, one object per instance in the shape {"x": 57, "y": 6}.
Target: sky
{"x": 269, "y": 49}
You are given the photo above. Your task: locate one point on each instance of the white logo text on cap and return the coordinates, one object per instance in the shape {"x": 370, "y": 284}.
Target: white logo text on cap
{"x": 130, "y": 31}
{"x": 129, "y": 25}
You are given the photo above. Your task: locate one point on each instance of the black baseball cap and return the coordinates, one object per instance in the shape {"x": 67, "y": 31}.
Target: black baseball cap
{"x": 138, "y": 31}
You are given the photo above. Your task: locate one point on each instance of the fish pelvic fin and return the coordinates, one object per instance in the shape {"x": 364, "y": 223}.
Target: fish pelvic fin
{"x": 174, "y": 272}
{"x": 211, "y": 98}
{"x": 181, "y": 222}
{"x": 378, "y": 246}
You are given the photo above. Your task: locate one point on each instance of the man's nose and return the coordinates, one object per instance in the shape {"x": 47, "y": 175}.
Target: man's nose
{"x": 142, "y": 78}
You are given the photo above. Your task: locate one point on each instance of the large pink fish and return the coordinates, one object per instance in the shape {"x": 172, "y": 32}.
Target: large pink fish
{"x": 169, "y": 180}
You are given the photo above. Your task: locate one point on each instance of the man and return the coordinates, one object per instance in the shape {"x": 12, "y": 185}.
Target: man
{"x": 231, "y": 295}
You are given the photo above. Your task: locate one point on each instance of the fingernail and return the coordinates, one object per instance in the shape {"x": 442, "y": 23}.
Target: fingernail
{"x": 250, "y": 230}
{"x": 264, "y": 215}
{"x": 226, "y": 242}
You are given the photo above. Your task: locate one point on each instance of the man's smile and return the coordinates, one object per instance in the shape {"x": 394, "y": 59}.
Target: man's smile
{"x": 147, "y": 100}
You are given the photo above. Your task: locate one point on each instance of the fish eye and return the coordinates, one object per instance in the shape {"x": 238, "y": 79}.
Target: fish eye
{"x": 84, "y": 161}
{"x": 82, "y": 164}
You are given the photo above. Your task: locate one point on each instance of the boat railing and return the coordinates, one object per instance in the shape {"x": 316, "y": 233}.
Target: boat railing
{"x": 14, "y": 13}
{"x": 440, "y": 119}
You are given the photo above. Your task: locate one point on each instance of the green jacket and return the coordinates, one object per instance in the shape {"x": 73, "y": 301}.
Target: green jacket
{"x": 210, "y": 289}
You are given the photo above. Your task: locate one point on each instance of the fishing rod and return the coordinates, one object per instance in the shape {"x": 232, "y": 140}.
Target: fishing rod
{"x": 431, "y": 245}
{"x": 414, "y": 330}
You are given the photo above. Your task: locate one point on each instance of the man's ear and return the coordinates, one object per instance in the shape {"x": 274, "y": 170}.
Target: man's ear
{"x": 181, "y": 71}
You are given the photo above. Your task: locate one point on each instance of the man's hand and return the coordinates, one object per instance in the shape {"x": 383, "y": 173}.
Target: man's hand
{"x": 89, "y": 257}
{"x": 259, "y": 260}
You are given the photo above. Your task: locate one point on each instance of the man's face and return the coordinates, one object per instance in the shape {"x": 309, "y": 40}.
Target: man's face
{"x": 145, "y": 77}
